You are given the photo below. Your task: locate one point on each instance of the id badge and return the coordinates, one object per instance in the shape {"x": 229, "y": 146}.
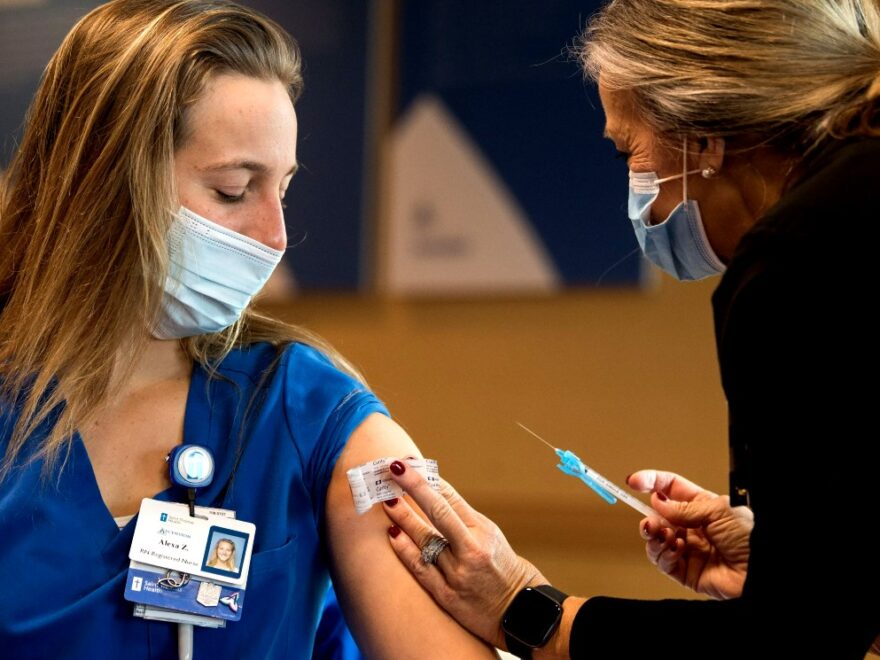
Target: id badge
{"x": 197, "y": 565}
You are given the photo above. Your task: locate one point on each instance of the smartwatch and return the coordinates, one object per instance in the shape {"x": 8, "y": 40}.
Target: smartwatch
{"x": 531, "y": 619}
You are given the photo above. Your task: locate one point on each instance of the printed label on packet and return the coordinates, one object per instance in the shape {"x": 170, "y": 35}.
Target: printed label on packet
{"x": 371, "y": 482}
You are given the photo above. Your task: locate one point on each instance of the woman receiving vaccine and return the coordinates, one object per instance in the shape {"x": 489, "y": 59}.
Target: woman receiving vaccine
{"x": 141, "y": 214}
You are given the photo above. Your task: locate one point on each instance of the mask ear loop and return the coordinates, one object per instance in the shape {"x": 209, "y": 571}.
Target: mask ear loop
{"x": 684, "y": 169}
{"x": 684, "y": 172}
{"x": 707, "y": 173}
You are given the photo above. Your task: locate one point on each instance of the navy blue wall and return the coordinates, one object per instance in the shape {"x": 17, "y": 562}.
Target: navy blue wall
{"x": 503, "y": 68}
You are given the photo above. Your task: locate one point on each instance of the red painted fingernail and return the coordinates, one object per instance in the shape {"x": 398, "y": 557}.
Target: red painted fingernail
{"x": 393, "y": 531}
{"x": 391, "y": 502}
{"x": 661, "y": 496}
{"x": 626, "y": 481}
{"x": 398, "y": 468}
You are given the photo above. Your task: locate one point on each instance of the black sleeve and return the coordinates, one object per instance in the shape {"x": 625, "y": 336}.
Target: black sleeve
{"x": 620, "y": 628}
{"x": 798, "y": 356}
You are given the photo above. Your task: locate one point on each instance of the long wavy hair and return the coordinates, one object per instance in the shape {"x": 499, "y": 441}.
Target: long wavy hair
{"x": 90, "y": 194}
{"x": 215, "y": 558}
{"x": 792, "y": 73}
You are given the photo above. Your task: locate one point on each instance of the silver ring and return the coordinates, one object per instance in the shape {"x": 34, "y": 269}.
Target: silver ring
{"x": 432, "y": 549}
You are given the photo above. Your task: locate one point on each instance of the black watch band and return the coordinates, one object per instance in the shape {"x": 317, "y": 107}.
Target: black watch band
{"x": 546, "y": 608}
{"x": 517, "y": 648}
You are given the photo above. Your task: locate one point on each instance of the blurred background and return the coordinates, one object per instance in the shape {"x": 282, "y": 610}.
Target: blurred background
{"x": 459, "y": 231}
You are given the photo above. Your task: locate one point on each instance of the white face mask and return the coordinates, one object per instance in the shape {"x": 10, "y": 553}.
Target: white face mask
{"x": 213, "y": 274}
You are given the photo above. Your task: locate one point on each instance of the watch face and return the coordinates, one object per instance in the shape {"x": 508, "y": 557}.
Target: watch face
{"x": 532, "y": 617}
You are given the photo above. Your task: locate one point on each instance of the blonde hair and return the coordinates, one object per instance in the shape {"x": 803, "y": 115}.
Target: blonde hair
{"x": 215, "y": 560}
{"x": 90, "y": 195}
{"x": 793, "y": 73}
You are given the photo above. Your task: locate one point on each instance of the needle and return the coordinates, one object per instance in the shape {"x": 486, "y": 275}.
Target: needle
{"x": 528, "y": 430}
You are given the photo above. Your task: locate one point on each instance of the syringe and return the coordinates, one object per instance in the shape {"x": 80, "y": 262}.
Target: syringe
{"x": 607, "y": 490}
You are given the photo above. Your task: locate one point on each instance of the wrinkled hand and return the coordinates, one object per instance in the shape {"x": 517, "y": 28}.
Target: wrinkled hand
{"x": 709, "y": 552}
{"x": 477, "y": 576}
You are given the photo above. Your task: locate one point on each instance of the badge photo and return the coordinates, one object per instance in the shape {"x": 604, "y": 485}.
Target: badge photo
{"x": 225, "y": 551}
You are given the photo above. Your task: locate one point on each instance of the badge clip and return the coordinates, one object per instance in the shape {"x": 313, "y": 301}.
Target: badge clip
{"x": 192, "y": 467}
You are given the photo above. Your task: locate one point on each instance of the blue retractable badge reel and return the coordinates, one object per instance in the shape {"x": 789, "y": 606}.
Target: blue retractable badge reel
{"x": 192, "y": 467}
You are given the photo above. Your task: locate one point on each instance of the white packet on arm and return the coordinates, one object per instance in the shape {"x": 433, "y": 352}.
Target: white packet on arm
{"x": 371, "y": 482}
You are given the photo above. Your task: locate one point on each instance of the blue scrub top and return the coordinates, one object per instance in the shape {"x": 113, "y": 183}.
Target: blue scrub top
{"x": 333, "y": 641}
{"x": 65, "y": 559}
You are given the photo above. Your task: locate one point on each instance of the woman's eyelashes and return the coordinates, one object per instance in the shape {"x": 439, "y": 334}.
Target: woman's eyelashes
{"x": 227, "y": 198}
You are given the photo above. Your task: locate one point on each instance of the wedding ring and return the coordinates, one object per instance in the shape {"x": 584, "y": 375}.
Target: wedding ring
{"x": 432, "y": 549}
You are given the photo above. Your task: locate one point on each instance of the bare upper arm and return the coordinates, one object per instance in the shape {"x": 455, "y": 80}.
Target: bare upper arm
{"x": 388, "y": 612}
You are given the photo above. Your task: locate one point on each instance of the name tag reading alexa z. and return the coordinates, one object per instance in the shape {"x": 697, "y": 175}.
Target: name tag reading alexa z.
{"x": 167, "y": 537}
{"x": 197, "y": 565}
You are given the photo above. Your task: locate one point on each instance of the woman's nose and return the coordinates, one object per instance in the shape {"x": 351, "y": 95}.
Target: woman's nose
{"x": 269, "y": 228}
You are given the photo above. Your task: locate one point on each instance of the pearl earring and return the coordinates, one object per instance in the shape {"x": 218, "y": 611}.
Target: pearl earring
{"x": 709, "y": 172}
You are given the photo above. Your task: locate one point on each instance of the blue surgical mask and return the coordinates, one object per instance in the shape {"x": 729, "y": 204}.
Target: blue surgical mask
{"x": 678, "y": 245}
{"x": 213, "y": 274}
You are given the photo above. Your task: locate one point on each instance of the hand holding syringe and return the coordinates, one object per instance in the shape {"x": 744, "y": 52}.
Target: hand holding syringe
{"x": 607, "y": 490}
